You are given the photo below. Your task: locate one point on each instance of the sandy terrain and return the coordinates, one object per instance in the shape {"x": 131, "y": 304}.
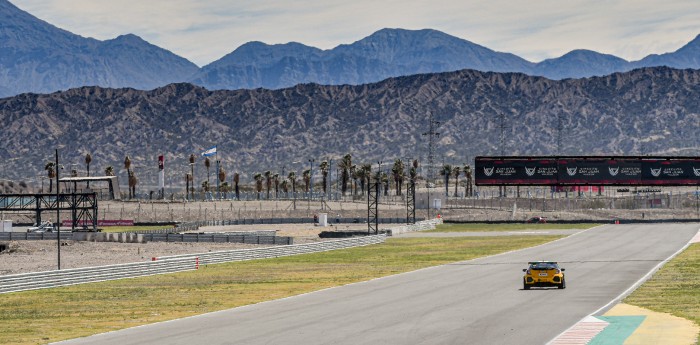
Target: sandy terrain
{"x": 34, "y": 256}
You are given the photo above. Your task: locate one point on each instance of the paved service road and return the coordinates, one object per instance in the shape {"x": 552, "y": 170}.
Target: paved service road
{"x": 474, "y": 302}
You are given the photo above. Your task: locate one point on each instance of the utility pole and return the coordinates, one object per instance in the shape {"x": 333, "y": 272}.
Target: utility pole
{"x": 58, "y": 213}
{"x": 432, "y": 134}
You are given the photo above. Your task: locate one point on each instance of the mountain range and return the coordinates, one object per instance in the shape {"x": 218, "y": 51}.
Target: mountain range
{"x": 643, "y": 111}
{"x": 38, "y": 57}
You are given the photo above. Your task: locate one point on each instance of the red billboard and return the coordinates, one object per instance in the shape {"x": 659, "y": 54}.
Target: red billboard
{"x": 587, "y": 170}
{"x": 124, "y": 222}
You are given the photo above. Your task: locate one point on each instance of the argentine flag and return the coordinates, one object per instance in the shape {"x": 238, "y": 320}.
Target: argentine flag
{"x": 209, "y": 152}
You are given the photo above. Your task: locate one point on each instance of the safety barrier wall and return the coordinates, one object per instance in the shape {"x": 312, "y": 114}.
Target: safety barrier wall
{"x": 418, "y": 226}
{"x": 222, "y": 238}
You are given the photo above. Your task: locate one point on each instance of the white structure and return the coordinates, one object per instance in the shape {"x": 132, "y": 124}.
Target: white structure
{"x": 322, "y": 219}
{"x": 6, "y": 226}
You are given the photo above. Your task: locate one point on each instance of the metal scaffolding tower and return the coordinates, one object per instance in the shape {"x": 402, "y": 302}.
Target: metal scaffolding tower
{"x": 432, "y": 134}
{"x": 373, "y": 208}
{"x": 411, "y": 202}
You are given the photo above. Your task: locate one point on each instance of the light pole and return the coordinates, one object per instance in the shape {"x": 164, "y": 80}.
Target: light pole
{"x": 330, "y": 178}
{"x": 311, "y": 179}
{"x": 190, "y": 192}
{"x": 379, "y": 180}
{"x": 58, "y": 214}
{"x": 218, "y": 194}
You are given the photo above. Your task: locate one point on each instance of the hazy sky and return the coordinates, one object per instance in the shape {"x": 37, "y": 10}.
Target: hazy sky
{"x": 205, "y": 30}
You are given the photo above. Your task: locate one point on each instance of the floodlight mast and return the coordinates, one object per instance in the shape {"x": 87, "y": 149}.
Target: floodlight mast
{"x": 432, "y": 134}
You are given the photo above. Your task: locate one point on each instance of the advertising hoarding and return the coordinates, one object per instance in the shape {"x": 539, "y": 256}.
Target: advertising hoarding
{"x": 587, "y": 170}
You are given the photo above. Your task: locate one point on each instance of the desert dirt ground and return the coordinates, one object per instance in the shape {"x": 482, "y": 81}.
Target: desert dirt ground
{"x": 36, "y": 256}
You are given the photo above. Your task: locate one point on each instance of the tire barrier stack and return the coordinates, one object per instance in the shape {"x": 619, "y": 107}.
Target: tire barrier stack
{"x": 167, "y": 264}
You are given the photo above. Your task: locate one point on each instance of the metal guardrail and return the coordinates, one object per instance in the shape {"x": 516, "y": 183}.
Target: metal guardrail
{"x": 265, "y": 253}
{"x": 169, "y": 264}
{"x": 48, "y": 279}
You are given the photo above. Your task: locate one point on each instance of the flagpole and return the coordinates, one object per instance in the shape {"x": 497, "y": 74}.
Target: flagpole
{"x": 218, "y": 193}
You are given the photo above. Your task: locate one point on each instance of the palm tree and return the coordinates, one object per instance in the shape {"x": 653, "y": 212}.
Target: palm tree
{"x": 88, "y": 159}
{"x": 205, "y": 186}
{"x": 225, "y": 188}
{"x": 293, "y": 180}
{"x": 345, "y": 164}
{"x": 192, "y": 189}
{"x": 132, "y": 184}
{"x": 236, "y": 179}
{"x": 127, "y": 166}
{"x": 51, "y": 173}
{"x": 398, "y": 171}
{"x": 268, "y": 182}
{"x": 306, "y": 175}
{"x": 365, "y": 176}
{"x": 354, "y": 175}
{"x": 222, "y": 176}
{"x": 188, "y": 178}
{"x": 468, "y": 174}
{"x": 258, "y": 183}
{"x": 456, "y": 171}
{"x": 207, "y": 163}
{"x": 446, "y": 172}
{"x": 285, "y": 186}
{"x": 324, "y": 172}
{"x": 109, "y": 171}
{"x": 276, "y": 179}
{"x": 192, "y": 158}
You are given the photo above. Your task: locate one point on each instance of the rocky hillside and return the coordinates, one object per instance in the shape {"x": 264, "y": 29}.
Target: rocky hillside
{"x": 650, "y": 111}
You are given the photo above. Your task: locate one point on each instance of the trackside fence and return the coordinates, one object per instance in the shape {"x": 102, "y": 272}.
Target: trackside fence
{"x": 168, "y": 264}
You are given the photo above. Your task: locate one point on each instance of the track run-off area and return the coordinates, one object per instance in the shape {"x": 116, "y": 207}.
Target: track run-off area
{"x": 479, "y": 301}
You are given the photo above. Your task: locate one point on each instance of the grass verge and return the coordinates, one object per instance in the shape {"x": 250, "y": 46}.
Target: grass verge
{"x": 674, "y": 289}
{"x": 478, "y": 227}
{"x": 50, "y": 315}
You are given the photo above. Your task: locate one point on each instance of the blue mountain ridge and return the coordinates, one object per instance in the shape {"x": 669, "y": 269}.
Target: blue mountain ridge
{"x": 38, "y": 57}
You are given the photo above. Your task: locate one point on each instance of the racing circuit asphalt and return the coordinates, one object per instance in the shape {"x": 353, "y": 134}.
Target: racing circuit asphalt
{"x": 473, "y": 302}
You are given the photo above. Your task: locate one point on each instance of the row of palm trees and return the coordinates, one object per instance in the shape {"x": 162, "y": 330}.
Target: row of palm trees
{"x": 448, "y": 170}
{"x": 356, "y": 177}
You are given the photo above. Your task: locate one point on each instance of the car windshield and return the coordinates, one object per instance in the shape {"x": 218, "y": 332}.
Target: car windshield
{"x": 543, "y": 266}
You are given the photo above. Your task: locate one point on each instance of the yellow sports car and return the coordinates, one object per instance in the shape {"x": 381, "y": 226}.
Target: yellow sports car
{"x": 543, "y": 273}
